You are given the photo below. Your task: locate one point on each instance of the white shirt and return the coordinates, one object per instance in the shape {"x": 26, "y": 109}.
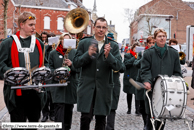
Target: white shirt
{"x": 100, "y": 43}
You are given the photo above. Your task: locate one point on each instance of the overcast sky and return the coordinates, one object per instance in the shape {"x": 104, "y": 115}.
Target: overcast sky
{"x": 114, "y": 10}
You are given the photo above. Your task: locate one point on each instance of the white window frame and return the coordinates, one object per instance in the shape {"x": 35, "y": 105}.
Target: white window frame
{"x": 60, "y": 23}
{"x": 47, "y": 21}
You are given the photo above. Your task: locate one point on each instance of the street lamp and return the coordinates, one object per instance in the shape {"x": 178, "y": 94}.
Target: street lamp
{"x": 169, "y": 19}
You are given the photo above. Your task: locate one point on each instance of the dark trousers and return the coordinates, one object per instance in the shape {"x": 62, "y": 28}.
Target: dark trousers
{"x": 142, "y": 111}
{"x": 129, "y": 101}
{"x": 48, "y": 109}
{"x": 63, "y": 113}
{"x": 27, "y": 107}
{"x": 111, "y": 120}
{"x": 87, "y": 117}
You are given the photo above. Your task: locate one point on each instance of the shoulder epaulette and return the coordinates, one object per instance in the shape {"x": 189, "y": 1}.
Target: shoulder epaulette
{"x": 112, "y": 40}
{"x": 172, "y": 48}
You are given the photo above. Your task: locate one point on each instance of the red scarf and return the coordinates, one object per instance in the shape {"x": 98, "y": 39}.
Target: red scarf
{"x": 133, "y": 53}
{"x": 146, "y": 47}
{"x": 15, "y": 57}
{"x": 60, "y": 49}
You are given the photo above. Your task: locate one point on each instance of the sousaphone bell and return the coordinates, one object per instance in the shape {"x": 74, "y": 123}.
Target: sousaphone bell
{"x": 76, "y": 20}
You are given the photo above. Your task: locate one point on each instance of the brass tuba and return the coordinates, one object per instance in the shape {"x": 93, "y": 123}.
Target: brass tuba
{"x": 76, "y": 20}
{"x": 181, "y": 55}
{"x": 38, "y": 36}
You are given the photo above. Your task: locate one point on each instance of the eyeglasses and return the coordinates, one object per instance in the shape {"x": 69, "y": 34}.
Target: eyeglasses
{"x": 99, "y": 27}
{"x": 150, "y": 42}
{"x": 30, "y": 18}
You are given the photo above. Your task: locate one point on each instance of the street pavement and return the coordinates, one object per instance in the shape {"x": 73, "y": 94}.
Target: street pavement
{"x": 123, "y": 121}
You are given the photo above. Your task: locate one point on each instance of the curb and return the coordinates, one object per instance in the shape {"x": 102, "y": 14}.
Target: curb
{"x": 190, "y": 109}
{"x": 3, "y": 112}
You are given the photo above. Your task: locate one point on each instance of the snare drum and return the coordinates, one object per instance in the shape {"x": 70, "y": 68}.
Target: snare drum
{"x": 16, "y": 76}
{"x": 41, "y": 75}
{"x": 62, "y": 73}
{"x": 169, "y": 92}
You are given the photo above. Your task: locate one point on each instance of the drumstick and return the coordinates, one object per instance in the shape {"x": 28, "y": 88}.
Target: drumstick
{"x": 136, "y": 84}
{"x": 43, "y": 56}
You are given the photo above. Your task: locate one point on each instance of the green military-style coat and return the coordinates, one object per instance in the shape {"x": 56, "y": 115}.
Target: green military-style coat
{"x": 153, "y": 65}
{"x": 117, "y": 87}
{"x": 66, "y": 94}
{"x": 130, "y": 72}
{"x": 6, "y": 64}
{"x": 139, "y": 93}
{"x": 96, "y": 76}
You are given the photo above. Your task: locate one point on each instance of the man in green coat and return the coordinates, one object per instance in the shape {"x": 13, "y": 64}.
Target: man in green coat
{"x": 22, "y": 104}
{"x": 160, "y": 59}
{"x": 96, "y": 83}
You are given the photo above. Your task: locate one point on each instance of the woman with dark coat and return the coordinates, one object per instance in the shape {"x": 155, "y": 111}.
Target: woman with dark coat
{"x": 130, "y": 72}
{"x": 64, "y": 97}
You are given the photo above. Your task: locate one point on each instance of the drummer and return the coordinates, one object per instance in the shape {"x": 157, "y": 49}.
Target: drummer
{"x": 23, "y": 104}
{"x": 140, "y": 93}
{"x": 64, "y": 98}
{"x": 160, "y": 59}
{"x": 175, "y": 42}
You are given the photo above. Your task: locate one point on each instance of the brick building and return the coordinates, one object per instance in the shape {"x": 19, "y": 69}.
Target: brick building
{"x": 50, "y": 15}
{"x": 178, "y": 13}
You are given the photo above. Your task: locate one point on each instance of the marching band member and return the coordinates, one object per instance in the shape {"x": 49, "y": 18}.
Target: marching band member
{"x": 140, "y": 93}
{"x": 64, "y": 98}
{"x": 116, "y": 93}
{"x": 130, "y": 72}
{"x": 175, "y": 42}
{"x": 48, "y": 109}
{"x": 160, "y": 59}
{"x": 25, "y": 104}
{"x": 96, "y": 84}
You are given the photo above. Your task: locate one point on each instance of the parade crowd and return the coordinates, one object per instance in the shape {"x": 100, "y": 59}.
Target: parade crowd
{"x": 94, "y": 70}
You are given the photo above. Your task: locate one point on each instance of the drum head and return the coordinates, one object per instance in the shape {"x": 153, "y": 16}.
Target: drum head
{"x": 16, "y": 76}
{"x": 158, "y": 96}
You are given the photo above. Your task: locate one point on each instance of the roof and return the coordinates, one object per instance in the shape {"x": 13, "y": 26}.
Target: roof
{"x": 190, "y": 4}
{"x": 43, "y": 3}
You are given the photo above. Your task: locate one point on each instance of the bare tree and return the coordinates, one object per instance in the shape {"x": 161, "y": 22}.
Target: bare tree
{"x": 129, "y": 15}
{"x": 5, "y": 7}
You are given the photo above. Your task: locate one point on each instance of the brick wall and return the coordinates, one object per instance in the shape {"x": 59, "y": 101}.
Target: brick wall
{"x": 39, "y": 13}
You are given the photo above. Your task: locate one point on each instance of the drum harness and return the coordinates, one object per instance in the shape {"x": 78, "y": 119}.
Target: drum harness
{"x": 26, "y": 51}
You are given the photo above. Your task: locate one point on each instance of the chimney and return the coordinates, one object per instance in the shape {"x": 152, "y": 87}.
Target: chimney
{"x": 110, "y": 22}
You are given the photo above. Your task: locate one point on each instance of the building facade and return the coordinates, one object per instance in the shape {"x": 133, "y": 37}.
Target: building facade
{"x": 174, "y": 16}
{"x": 49, "y": 14}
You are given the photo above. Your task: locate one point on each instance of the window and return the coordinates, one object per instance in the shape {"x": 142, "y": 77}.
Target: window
{"x": 60, "y": 23}
{"x": 46, "y": 22}
{"x": 89, "y": 30}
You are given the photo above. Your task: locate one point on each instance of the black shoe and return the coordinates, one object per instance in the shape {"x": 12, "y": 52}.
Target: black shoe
{"x": 52, "y": 118}
{"x": 137, "y": 113}
{"x": 44, "y": 119}
{"x": 128, "y": 112}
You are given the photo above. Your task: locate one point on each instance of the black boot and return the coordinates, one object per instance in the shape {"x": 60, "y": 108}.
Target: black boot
{"x": 144, "y": 116}
{"x": 148, "y": 125}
